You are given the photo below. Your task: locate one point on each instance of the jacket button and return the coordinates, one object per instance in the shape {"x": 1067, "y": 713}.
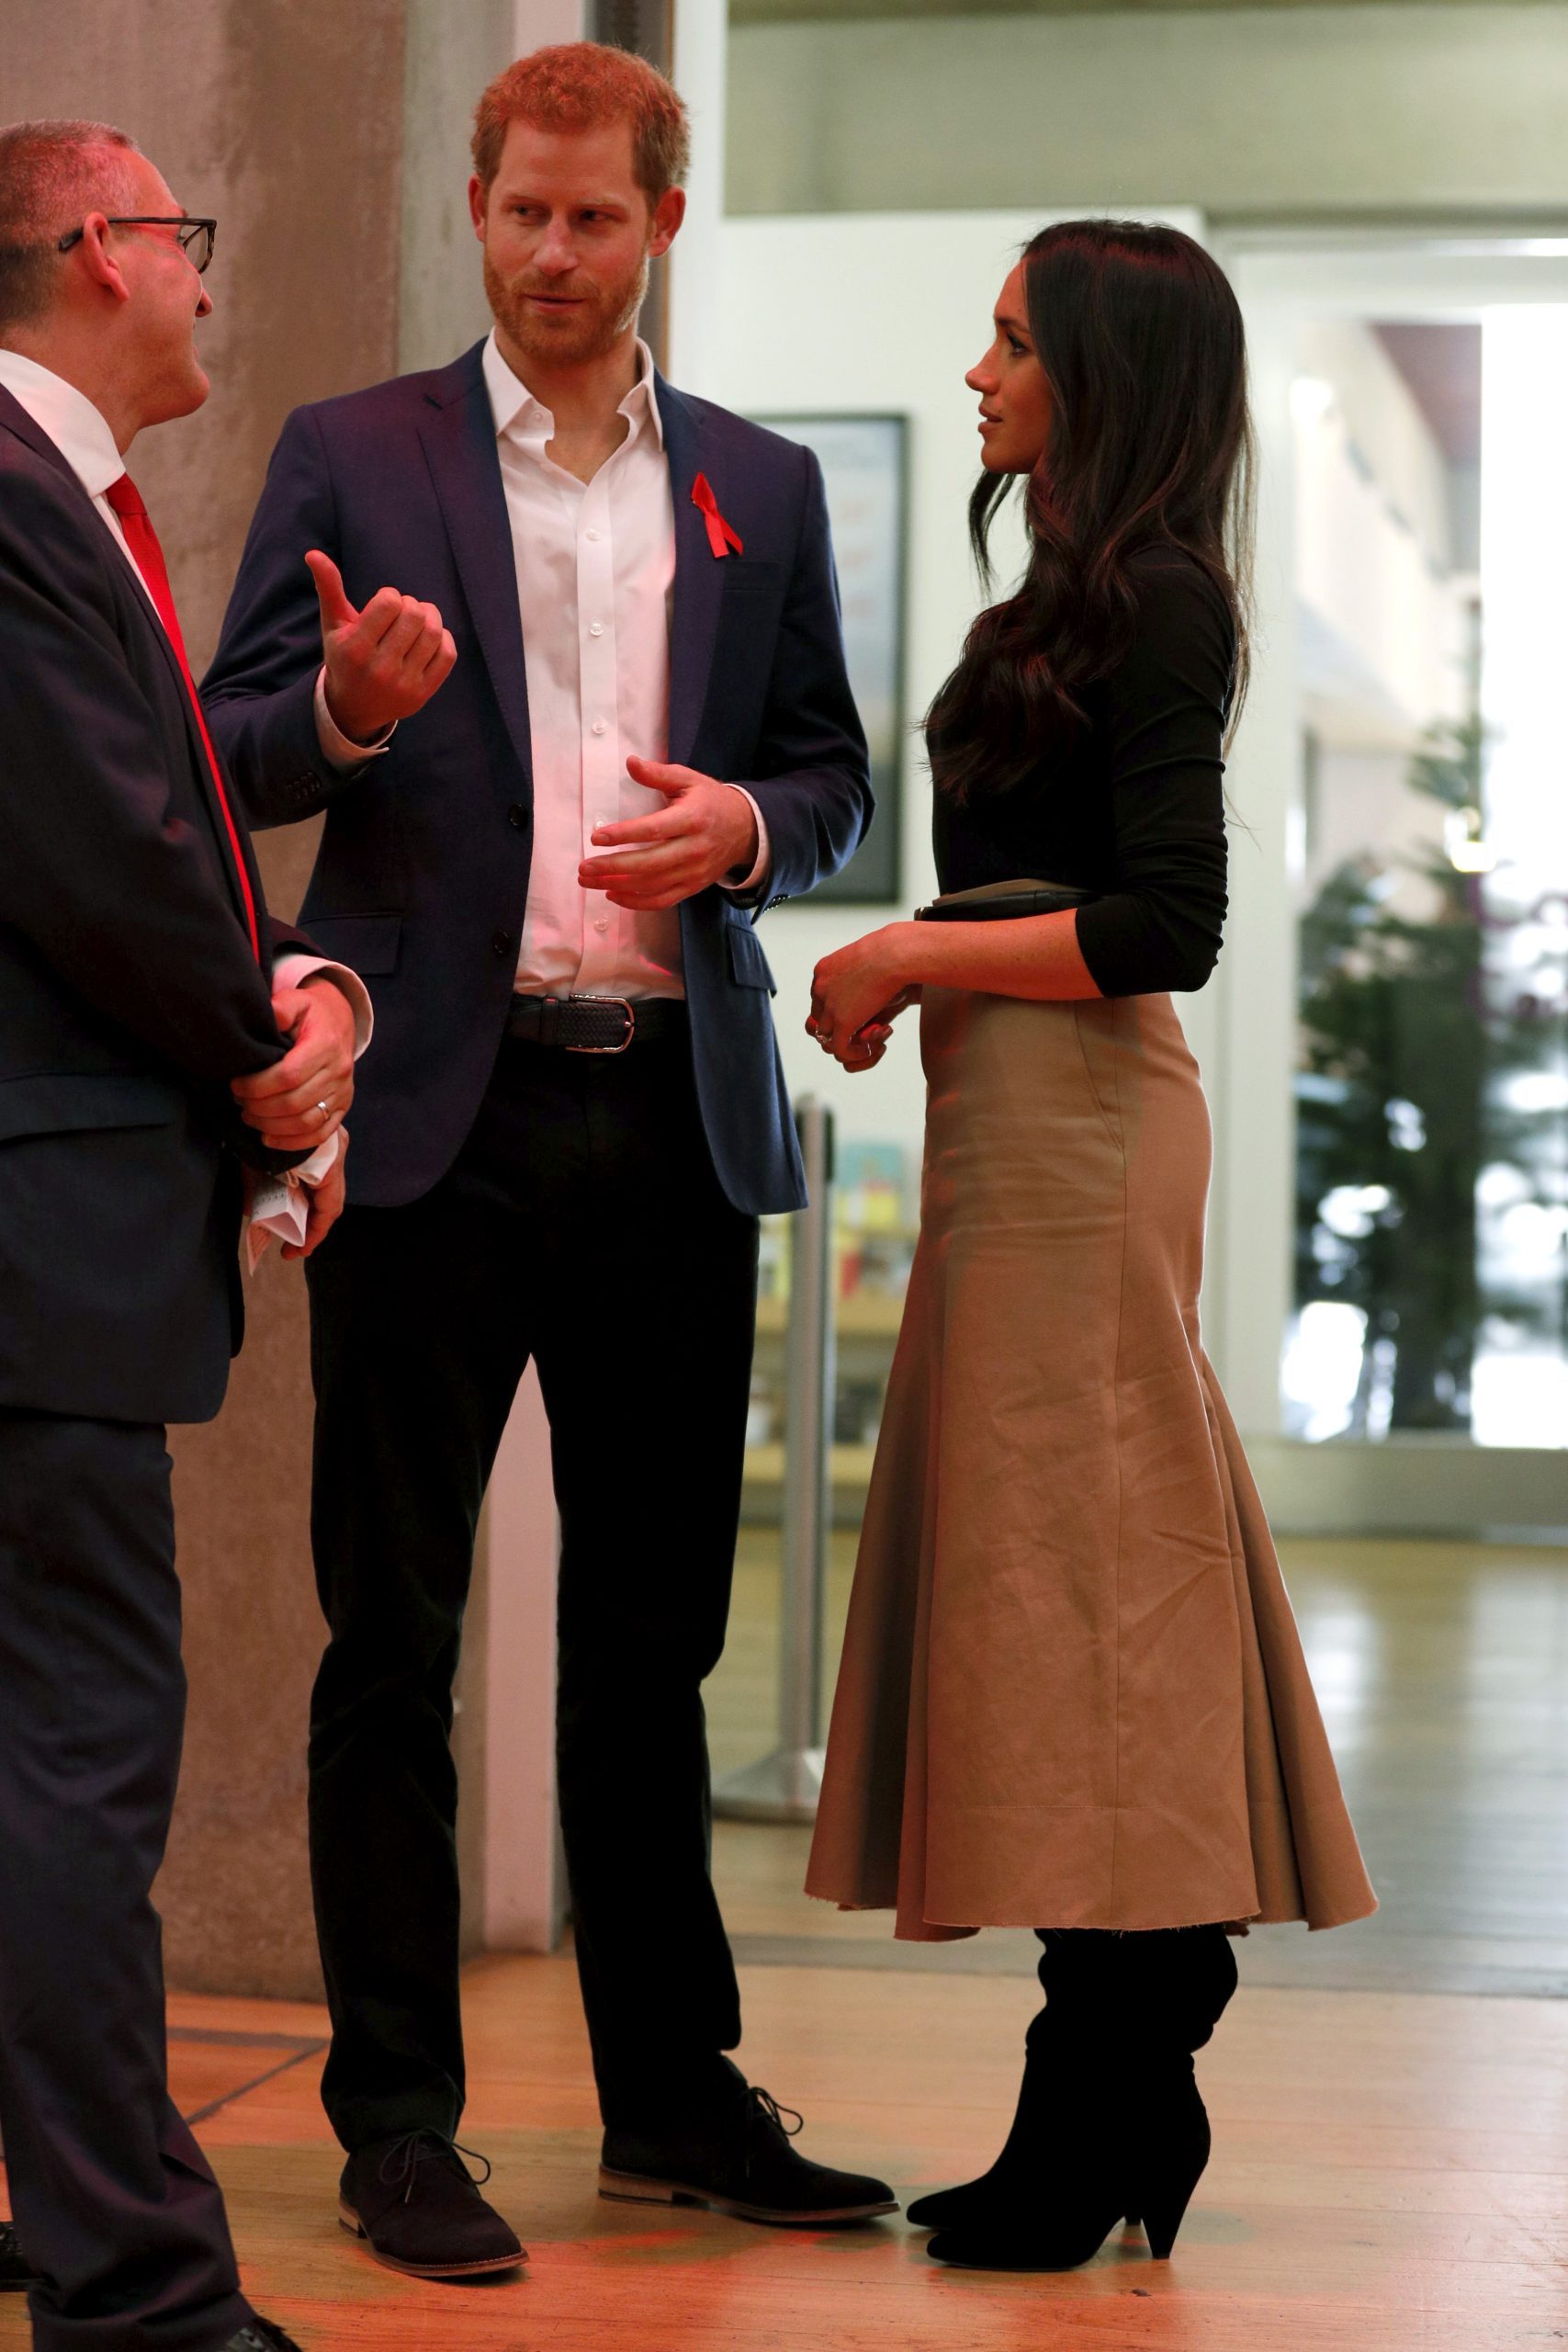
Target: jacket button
{"x": 502, "y": 944}
{"x": 517, "y": 816}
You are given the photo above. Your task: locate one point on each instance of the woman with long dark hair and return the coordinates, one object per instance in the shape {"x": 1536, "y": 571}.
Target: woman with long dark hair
{"x": 1072, "y": 1695}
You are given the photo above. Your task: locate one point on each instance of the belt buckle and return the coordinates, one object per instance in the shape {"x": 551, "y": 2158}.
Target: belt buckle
{"x": 625, "y": 1006}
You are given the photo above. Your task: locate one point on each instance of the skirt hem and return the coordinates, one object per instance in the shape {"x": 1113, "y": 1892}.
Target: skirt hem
{"x": 948, "y": 1930}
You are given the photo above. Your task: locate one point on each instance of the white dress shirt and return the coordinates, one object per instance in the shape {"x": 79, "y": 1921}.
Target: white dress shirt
{"x": 595, "y": 575}
{"x": 81, "y": 433}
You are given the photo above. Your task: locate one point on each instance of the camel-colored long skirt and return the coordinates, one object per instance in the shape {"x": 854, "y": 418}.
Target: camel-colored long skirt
{"x": 1072, "y": 1693}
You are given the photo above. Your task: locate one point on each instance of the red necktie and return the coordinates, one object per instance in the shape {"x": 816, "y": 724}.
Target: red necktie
{"x": 142, "y": 541}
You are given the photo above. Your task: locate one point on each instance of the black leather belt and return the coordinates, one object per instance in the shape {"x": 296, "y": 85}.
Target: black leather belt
{"x": 592, "y": 1025}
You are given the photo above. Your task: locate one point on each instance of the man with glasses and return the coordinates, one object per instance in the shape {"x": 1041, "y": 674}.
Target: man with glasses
{"x": 194, "y": 237}
{"x": 147, "y": 1003}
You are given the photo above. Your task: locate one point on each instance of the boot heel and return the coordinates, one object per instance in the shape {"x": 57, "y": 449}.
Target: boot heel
{"x": 1162, "y": 2232}
{"x": 1163, "y": 2200}
{"x": 347, "y": 2218}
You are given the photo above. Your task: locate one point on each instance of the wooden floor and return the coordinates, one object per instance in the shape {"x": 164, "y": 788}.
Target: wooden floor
{"x": 1391, "y": 2175}
{"x": 1391, "y": 2167}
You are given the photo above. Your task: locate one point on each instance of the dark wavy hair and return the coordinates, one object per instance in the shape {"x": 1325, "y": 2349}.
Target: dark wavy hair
{"x": 1150, "y": 444}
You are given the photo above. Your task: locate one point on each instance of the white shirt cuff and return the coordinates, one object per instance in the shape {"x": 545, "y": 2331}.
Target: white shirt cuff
{"x": 759, "y": 874}
{"x": 340, "y": 749}
{"x": 294, "y": 967}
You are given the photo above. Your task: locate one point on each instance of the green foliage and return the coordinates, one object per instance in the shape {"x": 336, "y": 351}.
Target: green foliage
{"x": 1396, "y": 1052}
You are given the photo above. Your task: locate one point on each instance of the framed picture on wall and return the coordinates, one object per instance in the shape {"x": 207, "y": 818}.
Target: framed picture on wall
{"x": 865, "y": 468}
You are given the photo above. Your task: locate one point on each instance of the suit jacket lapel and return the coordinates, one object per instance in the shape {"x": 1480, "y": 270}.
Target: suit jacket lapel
{"x": 699, "y": 578}
{"x": 13, "y": 414}
{"x": 458, "y": 433}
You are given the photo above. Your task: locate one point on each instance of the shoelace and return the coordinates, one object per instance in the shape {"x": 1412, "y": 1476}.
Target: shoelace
{"x": 762, "y": 2106}
{"x": 403, "y": 2158}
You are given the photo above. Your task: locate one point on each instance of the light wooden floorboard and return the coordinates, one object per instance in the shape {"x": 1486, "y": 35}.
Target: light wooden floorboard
{"x": 1391, "y": 2174}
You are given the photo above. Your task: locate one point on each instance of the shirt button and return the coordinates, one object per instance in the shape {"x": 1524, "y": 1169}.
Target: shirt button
{"x": 601, "y": 727}
{"x": 501, "y": 944}
{"x": 590, "y": 535}
{"x": 596, "y": 629}
{"x": 517, "y": 816}
{"x": 601, "y": 923}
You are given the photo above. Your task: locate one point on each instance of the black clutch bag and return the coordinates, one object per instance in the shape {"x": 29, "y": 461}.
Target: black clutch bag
{"x": 1005, "y": 902}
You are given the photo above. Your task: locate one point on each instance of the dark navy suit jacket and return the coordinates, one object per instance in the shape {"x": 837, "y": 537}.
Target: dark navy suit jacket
{"x": 128, "y": 993}
{"x": 422, "y": 878}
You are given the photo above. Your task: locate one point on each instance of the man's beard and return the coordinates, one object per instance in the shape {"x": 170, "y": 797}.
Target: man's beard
{"x": 604, "y": 315}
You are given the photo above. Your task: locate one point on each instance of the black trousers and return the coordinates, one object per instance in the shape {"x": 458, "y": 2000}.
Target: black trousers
{"x": 113, "y": 2200}
{"x": 583, "y": 1226}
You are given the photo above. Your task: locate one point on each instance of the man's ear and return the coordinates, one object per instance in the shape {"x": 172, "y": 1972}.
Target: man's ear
{"x": 97, "y": 259}
{"x": 478, "y": 201}
{"x": 667, "y": 215}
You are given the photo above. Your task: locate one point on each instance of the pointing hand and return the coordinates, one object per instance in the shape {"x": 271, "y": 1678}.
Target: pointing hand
{"x": 383, "y": 663}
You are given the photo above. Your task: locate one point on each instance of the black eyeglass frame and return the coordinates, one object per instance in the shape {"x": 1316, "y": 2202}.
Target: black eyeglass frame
{"x": 190, "y": 222}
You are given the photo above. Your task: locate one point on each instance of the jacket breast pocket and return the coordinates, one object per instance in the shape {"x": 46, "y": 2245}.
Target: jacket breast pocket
{"x": 366, "y": 943}
{"x": 749, "y": 966}
{"x": 748, "y": 576}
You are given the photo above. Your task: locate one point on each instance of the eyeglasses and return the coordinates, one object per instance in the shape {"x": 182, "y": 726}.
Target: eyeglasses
{"x": 197, "y": 238}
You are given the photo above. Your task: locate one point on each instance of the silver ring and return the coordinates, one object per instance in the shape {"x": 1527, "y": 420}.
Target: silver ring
{"x": 323, "y": 1110}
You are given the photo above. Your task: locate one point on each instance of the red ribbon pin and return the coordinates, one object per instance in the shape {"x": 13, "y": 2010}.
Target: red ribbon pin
{"x": 721, "y": 537}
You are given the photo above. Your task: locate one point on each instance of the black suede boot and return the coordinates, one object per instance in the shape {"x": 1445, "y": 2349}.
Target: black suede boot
{"x": 1110, "y": 2123}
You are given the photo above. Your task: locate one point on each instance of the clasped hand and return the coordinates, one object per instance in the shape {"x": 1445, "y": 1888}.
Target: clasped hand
{"x": 857, "y": 993}
{"x": 302, "y": 1097}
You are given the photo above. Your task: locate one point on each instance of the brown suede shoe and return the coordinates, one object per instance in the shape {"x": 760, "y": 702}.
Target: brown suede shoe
{"x": 414, "y": 2202}
{"x": 739, "y": 2162}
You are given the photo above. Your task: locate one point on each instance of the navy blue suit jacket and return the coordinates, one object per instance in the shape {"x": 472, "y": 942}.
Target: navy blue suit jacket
{"x": 128, "y": 993}
{"x": 421, "y": 877}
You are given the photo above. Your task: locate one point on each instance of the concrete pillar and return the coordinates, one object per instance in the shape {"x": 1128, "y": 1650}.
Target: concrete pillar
{"x": 450, "y": 55}
{"x": 285, "y": 122}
